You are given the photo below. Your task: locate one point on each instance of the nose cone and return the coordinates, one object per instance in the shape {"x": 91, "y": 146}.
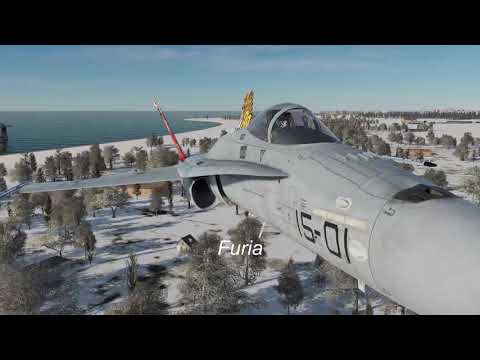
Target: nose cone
{"x": 426, "y": 255}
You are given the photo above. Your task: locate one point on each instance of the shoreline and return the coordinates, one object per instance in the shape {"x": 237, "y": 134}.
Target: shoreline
{"x": 124, "y": 146}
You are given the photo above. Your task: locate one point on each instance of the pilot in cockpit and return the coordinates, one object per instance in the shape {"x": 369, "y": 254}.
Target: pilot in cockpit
{"x": 285, "y": 120}
{"x": 282, "y": 126}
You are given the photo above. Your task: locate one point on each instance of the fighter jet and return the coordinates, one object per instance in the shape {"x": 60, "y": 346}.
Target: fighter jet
{"x": 394, "y": 231}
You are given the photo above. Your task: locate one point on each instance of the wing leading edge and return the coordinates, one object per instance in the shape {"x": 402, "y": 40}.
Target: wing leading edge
{"x": 211, "y": 167}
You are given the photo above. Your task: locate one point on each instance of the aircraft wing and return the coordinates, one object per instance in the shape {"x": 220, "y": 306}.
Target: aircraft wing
{"x": 131, "y": 178}
{"x": 201, "y": 167}
{"x": 211, "y": 167}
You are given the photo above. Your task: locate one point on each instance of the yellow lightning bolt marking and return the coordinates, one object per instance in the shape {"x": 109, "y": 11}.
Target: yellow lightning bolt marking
{"x": 247, "y": 110}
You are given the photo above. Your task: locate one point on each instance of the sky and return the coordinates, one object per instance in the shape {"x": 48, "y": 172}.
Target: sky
{"x": 323, "y": 78}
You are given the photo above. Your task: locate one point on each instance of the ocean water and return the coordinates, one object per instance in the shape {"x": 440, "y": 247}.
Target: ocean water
{"x": 41, "y": 130}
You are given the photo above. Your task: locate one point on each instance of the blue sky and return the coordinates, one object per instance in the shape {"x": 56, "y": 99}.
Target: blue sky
{"x": 216, "y": 77}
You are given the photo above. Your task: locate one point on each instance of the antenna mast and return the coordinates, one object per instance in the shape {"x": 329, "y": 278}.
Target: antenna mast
{"x": 181, "y": 154}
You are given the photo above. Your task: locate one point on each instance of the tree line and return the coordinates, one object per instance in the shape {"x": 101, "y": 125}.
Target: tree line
{"x": 413, "y": 115}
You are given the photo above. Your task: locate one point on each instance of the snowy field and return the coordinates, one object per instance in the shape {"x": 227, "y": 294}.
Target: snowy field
{"x": 441, "y": 127}
{"x": 93, "y": 289}
{"x": 455, "y": 169}
{"x": 456, "y": 130}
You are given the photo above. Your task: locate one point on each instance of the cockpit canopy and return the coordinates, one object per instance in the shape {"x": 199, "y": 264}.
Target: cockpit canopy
{"x": 290, "y": 124}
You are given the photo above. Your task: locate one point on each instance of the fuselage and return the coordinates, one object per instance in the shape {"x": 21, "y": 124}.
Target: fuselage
{"x": 341, "y": 203}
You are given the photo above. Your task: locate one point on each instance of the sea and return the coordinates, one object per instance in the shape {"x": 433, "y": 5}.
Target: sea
{"x": 42, "y": 130}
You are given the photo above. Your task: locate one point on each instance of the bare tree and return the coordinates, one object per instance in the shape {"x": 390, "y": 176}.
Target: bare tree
{"x": 247, "y": 234}
{"x": 96, "y": 161}
{"x": 151, "y": 141}
{"x": 50, "y": 168}
{"x": 290, "y": 287}
{"x": 67, "y": 214}
{"x": 467, "y": 139}
{"x": 81, "y": 165}
{"x": 392, "y": 136}
{"x": 20, "y": 291}
{"x": 170, "y": 195}
{"x": 86, "y": 239}
{"x": 369, "y": 308}
{"x": 156, "y": 200}
{"x": 159, "y": 141}
{"x": 474, "y": 155}
{"x": 206, "y": 143}
{"x": 132, "y": 272}
{"x": 448, "y": 141}
{"x": 141, "y": 158}
{"x": 211, "y": 284}
{"x": 439, "y": 177}
{"x": 137, "y": 190}
{"x": 419, "y": 140}
{"x": 399, "y": 152}
{"x": 40, "y": 176}
{"x": 12, "y": 241}
{"x": 3, "y": 184}
{"x": 65, "y": 165}
{"x": 406, "y": 167}
{"x": 129, "y": 159}
{"x": 22, "y": 171}
{"x": 92, "y": 198}
{"x": 114, "y": 198}
{"x": 22, "y": 209}
{"x": 32, "y": 161}
{"x": 430, "y": 136}
{"x": 409, "y": 137}
{"x": 57, "y": 158}
{"x": 471, "y": 184}
{"x": 143, "y": 301}
{"x": 40, "y": 200}
{"x": 161, "y": 157}
{"x": 3, "y": 170}
{"x": 110, "y": 153}
{"x": 383, "y": 149}
{"x": 461, "y": 151}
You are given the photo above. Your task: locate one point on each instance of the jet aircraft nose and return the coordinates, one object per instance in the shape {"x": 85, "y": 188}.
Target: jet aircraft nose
{"x": 426, "y": 255}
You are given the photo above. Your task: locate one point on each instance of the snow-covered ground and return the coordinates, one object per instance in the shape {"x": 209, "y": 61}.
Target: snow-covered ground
{"x": 456, "y": 130}
{"x": 455, "y": 169}
{"x": 154, "y": 239}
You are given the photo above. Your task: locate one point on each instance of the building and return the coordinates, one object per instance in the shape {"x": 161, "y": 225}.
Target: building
{"x": 186, "y": 243}
{"x": 407, "y": 121}
{"x": 146, "y": 189}
{"x": 414, "y": 153}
